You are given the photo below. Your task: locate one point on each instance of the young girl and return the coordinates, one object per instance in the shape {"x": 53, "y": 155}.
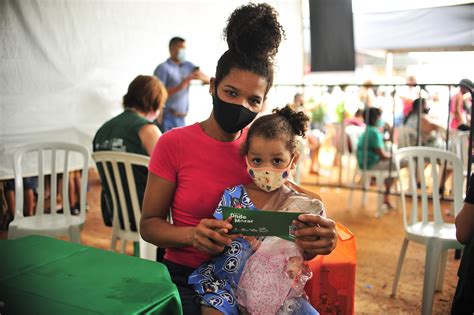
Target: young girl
{"x": 262, "y": 276}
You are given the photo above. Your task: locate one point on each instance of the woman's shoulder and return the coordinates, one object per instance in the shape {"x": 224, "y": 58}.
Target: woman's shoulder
{"x": 180, "y": 132}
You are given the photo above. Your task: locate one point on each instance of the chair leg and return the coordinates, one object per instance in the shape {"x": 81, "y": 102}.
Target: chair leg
{"x": 441, "y": 270}
{"x": 351, "y": 193}
{"x": 365, "y": 184}
{"x": 432, "y": 260}
{"x": 75, "y": 234}
{"x": 113, "y": 243}
{"x": 123, "y": 243}
{"x": 380, "y": 194}
{"x": 401, "y": 258}
{"x": 12, "y": 232}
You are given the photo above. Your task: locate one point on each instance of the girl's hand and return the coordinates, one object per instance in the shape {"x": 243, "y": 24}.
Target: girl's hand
{"x": 315, "y": 235}
{"x": 210, "y": 236}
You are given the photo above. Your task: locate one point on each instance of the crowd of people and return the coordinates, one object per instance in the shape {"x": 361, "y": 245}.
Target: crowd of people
{"x": 233, "y": 159}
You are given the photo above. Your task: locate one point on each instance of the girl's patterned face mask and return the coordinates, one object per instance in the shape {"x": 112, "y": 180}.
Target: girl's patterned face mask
{"x": 269, "y": 179}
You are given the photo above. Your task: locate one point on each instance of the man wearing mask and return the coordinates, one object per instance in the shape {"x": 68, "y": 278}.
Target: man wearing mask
{"x": 176, "y": 73}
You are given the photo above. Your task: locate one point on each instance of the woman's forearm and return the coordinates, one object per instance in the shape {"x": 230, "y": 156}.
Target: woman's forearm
{"x": 465, "y": 224}
{"x": 163, "y": 234}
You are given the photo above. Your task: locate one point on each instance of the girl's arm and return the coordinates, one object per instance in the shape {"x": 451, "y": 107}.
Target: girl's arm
{"x": 155, "y": 228}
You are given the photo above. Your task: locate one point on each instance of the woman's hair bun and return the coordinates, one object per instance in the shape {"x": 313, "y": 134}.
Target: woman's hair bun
{"x": 253, "y": 30}
{"x": 298, "y": 120}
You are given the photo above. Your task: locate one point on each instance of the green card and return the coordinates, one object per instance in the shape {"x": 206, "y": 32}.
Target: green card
{"x": 261, "y": 222}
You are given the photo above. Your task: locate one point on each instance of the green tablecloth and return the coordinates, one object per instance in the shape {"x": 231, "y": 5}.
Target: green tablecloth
{"x": 40, "y": 275}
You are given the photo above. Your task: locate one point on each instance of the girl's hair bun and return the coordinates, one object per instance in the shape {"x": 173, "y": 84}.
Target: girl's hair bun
{"x": 253, "y": 30}
{"x": 298, "y": 120}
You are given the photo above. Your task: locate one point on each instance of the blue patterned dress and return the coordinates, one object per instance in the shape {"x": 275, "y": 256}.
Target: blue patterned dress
{"x": 216, "y": 281}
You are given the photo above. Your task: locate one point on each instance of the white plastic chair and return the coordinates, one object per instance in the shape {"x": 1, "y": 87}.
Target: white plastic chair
{"x": 111, "y": 162}
{"x": 406, "y": 137}
{"x": 380, "y": 175}
{"x": 53, "y": 158}
{"x": 351, "y": 137}
{"x": 461, "y": 146}
{"x": 429, "y": 230}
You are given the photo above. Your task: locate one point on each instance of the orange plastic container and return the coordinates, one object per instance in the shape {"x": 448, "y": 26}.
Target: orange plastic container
{"x": 331, "y": 290}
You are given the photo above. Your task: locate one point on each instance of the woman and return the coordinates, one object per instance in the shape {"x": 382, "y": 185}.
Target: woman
{"x": 191, "y": 166}
{"x": 131, "y": 131}
{"x": 459, "y": 104}
{"x": 462, "y": 301}
{"x": 428, "y": 130}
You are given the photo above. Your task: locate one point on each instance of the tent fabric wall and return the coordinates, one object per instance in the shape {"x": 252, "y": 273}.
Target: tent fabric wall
{"x": 438, "y": 28}
{"x": 65, "y": 65}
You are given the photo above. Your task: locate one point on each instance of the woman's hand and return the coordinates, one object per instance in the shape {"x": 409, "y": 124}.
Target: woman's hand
{"x": 210, "y": 236}
{"x": 315, "y": 235}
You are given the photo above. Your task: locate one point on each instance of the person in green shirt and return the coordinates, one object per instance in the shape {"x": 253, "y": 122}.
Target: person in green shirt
{"x": 132, "y": 131}
{"x": 371, "y": 154}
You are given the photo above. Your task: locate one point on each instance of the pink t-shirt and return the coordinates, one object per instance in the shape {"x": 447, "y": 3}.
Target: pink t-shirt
{"x": 202, "y": 168}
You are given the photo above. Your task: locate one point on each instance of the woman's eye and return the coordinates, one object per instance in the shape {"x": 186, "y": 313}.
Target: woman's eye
{"x": 231, "y": 93}
{"x": 255, "y": 102}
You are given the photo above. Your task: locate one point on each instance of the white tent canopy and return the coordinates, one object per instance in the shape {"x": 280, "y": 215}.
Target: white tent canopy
{"x": 65, "y": 65}
{"x": 438, "y": 28}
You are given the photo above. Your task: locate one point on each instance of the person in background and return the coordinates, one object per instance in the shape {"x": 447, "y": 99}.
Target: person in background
{"x": 30, "y": 184}
{"x": 367, "y": 94}
{"x": 176, "y": 73}
{"x": 371, "y": 152}
{"x": 460, "y": 105}
{"x": 463, "y": 302}
{"x": 357, "y": 120}
{"x": 191, "y": 166}
{"x": 132, "y": 131}
{"x": 298, "y": 103}
{"x": 429, "y": 131}
{"x": 410, "y": 94}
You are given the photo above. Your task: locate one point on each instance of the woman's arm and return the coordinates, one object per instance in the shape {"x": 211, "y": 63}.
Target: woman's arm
{"x": 465, "y": 219}
{"x": 154, "y": 227}
{"x": 465, "y": 223}
{"x": 428, "y": 126}
{"x": 382, "y": 153}
{"x": 149, "y": 135}
{"x": 457, "y": 109}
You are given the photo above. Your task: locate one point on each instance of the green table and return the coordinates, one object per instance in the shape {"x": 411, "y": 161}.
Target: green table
{"x": 40, "y": 275}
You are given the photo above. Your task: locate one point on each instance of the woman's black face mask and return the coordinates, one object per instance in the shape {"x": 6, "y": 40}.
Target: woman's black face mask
{"x": 231, "y": 117}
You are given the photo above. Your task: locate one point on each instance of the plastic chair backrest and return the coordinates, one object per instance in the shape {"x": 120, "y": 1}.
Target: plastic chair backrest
{"x": 117, "y": 190}
{"x": 353, "y": 133}
{"x": 59, "y": 154}
{"x": 406, "y": 137}
{"x": 462, "y": 147}
{"x": 418, "y": 158}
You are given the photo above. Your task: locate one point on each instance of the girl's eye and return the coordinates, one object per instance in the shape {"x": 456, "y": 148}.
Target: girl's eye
{"x": 277, "y": 161}
{"x": 257, "y": 161}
